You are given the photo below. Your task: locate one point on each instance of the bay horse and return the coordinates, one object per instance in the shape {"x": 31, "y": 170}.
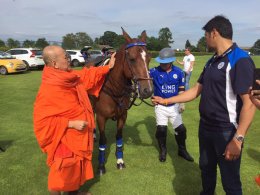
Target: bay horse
{"x": 131, "y": 67}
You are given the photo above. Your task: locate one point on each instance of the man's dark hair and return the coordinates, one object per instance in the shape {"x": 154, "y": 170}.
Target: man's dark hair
{"x": 222, "y": 25}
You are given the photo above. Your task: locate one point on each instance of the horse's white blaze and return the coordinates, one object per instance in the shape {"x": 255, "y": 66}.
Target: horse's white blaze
{"x": 143, "y": 54}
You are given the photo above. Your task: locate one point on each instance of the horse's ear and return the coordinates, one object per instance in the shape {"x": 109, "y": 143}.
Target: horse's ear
{"x": 126, "y": 36}
{"x": 143, "y": 36}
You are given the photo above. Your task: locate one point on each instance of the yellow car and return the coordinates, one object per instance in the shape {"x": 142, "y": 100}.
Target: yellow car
{"x": 9, "y": 64}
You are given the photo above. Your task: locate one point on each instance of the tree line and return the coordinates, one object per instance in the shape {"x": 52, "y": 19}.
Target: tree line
{"x": 81, "y": 39}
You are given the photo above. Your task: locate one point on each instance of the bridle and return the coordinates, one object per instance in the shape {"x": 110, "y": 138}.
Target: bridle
{"x": 134, "y": 78}
{"x": 130, "y": 91}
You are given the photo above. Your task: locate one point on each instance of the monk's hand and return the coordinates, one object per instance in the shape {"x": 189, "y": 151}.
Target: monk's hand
{"x": 78, "y": 125}
{"x": 233, "y": 150}
{"x": 157, "y": 100}
{"x": 112, "y": 60}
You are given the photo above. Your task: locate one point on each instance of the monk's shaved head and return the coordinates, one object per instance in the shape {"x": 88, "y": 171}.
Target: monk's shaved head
{"x": 50, "y": 54}
{"x": 55, "y": 56}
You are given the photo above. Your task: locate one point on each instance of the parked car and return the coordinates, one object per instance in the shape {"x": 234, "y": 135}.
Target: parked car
{"x": 76, "y": 57}
{"x": 94, "y": 54}
{"x": 32, "y": 57}
{"x": 8, "y": 64}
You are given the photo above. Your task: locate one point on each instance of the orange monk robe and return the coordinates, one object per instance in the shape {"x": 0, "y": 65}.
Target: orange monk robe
{"x": 62, "y": 97}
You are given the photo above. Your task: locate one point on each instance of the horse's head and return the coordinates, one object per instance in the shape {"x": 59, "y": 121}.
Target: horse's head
{"x": 136, "y": 64}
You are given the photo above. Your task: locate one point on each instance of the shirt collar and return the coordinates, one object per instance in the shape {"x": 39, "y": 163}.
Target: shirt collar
{"x": 172, "y": 67}
{"x": 230, "y": 49}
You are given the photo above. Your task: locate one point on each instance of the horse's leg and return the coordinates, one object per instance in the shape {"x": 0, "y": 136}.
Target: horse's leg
{"x": 102, "y": 145}
{"x": 119, "y": 142}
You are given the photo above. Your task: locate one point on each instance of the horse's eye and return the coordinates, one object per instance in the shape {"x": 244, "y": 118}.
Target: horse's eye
{"x": 132, "y": 60}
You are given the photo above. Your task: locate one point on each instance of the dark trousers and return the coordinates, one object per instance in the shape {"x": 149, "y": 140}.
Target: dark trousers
{"x": 212, "y": 144}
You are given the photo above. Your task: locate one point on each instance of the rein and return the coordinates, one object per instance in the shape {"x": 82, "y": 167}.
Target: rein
{"x": 144, "y": 101}
{"x": 128, "y": 92}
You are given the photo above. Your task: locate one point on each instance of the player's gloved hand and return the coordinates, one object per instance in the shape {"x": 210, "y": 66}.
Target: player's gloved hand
{"x": 181, "y": 107}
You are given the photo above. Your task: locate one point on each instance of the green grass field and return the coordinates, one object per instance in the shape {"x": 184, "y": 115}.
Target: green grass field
{"x": 23, "y": 170}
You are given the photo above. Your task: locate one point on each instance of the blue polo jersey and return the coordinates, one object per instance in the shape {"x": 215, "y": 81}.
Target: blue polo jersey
{"x": 166, "y": 84}
{"x": 223, "y": 79}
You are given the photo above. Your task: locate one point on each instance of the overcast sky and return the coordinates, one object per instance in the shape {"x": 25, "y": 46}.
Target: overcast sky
{"x": 52, "y": 19}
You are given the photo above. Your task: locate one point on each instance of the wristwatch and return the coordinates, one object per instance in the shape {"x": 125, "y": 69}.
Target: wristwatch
{"x": 239, "y": 138}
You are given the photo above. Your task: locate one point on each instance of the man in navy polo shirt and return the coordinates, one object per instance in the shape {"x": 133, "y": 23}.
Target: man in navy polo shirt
{"x": 168, "y": 81}
{"x": 226, "y": 111}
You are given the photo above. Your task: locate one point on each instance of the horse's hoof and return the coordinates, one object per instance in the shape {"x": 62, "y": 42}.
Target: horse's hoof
{"x": 101, "y": 169}
{"x": 120, "y": 166}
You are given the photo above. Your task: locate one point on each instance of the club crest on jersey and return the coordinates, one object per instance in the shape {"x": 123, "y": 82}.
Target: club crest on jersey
{"x": 175, "y": 76}
{"x": 220, "y": 65}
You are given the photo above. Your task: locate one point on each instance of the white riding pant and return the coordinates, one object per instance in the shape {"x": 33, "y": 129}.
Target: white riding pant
{"x": 164, "y": 114}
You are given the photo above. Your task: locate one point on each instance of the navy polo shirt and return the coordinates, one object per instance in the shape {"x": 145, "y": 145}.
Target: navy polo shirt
{"x": 223, "y": 79}
{"x": 166, "y": 84}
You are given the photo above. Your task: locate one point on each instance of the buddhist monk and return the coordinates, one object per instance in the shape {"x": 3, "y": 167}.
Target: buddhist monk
{"x": 64, "y": 121}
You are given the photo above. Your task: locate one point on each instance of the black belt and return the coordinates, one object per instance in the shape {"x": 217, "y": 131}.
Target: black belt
{"x": 168, "y": 105}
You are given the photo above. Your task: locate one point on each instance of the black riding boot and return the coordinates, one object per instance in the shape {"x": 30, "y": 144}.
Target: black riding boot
{"x": 180, "y": 136}
{"x": 161, "y": 135}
